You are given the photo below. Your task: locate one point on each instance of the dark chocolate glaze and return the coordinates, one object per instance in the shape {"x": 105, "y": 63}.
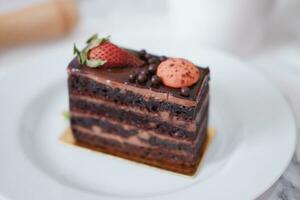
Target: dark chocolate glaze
{"x": 121, "y": 75}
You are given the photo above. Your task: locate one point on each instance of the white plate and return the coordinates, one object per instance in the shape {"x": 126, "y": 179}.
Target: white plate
{"x": 254, "y": 141}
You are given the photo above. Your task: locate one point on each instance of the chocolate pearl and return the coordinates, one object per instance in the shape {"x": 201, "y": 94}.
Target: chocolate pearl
{"x": 155, "y": 81}
{"x": 132, "y": 77}
{"x": 147, "y": 55}
{"x": 162, "y": 58}
{"x": 153, "y": 60}
{"x": 144, "y": 71}
{"x": 185, "y": 91}
{"x": 142, "y": 78}
{"x": 142, "y": 52}
{"x": 152, "y": 68}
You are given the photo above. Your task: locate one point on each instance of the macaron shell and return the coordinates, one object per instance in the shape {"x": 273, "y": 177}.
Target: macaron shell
{"x": 178, "y": 73}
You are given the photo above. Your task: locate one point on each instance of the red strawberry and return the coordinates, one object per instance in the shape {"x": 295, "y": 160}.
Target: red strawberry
{"x": 107, "y": 51}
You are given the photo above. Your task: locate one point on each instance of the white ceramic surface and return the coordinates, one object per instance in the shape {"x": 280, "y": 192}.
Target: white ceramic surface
{"x": 255, "y": 139}
{"x": 233, "y": 25}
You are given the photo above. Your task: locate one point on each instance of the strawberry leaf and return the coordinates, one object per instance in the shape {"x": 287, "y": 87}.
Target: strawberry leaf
{"x": 95, "y": 63}
{"x": 96, "y": 42}
{"x": 75, "y": 50}
{"x": 106, "y": 39}
{"x": 80, "y": 55}
{"x": 93, "y": 37}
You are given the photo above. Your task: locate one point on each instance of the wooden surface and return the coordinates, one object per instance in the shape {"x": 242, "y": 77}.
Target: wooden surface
{"x": 49, "y": 20}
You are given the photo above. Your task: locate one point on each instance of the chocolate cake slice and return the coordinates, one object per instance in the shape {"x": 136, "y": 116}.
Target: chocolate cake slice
{"x": 142, "y": 107}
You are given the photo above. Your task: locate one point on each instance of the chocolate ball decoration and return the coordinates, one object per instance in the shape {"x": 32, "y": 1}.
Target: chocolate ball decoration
{"x": 153, "y": 60}
{"x": 147, "y": 55}
{"x": 132, "y": 77}
{"x": 152, "y": 68}
{"x": 144, "y": 71}
{"x": 142, "y": 78}
{"x": 155, "y": 81}
{"x": 142, "y": 52}
{"x": 185, "y": 91}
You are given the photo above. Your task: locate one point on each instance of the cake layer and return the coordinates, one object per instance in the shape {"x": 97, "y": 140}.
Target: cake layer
{"x": 136, "y": 119}
{"x": 91, "y": 106}
{"x": 139, "y": 143}
{"x": 165, "y": 116}
{"x": 131, "y": 134}
{"x": 80, "y": 84}
{"x": 136, "y": 141}
{"x": 157, "y": 158}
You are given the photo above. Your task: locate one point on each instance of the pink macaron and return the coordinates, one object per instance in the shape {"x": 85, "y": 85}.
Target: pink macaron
{"x": 178, "y": 73}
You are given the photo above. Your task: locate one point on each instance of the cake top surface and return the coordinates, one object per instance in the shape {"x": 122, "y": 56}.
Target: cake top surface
{"x": 122, "y": 74}
{"x": 171, "y": 76}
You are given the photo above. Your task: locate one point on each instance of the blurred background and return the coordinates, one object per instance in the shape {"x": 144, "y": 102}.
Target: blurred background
{"x": 263, "y": 33}
{"x": 242, "y": 27}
